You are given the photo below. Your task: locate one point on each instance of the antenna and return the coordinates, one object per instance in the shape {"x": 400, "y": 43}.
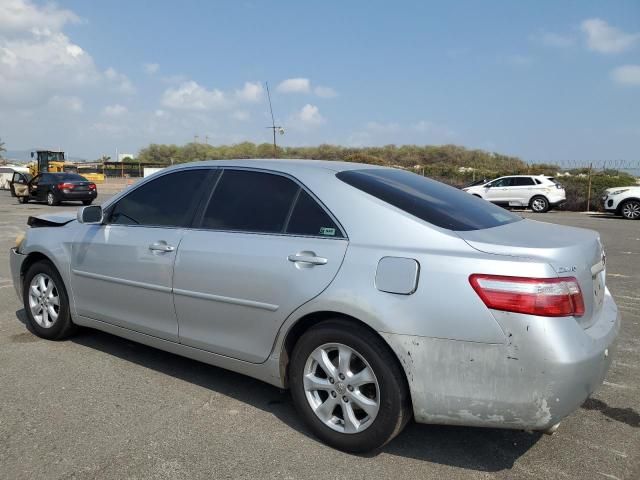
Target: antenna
{"x": 273, "y": 126}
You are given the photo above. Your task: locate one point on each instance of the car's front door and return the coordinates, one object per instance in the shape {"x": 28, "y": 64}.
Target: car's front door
{"x": 34, "y": 187}
{"x": 264, "y": 247}
{"x": 121, "y": 271}
{"x": 19, "y": 185}
{"x": 499, "y": 190}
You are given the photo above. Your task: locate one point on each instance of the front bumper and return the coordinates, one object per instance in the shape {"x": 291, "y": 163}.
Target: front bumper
{"x": 15, "y": 263}
{"x": 544, "y": 372}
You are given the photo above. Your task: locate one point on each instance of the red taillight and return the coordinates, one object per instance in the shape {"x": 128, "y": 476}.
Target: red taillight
{"x": 92, "y": 186}
{"x": 65, "y": 186}
{"x": 546, "y": 297}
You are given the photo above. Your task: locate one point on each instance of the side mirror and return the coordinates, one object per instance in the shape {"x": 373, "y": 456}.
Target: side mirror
{"x": 91, "y": 215}
{"x": 488, "y": 185}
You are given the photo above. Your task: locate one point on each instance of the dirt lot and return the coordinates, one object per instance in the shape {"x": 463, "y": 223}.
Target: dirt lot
{"x": 101, "y": 407}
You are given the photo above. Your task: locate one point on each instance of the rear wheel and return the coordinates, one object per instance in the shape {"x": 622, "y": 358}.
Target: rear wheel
{"x": 51, "y": 199}
{"x": 630, "y": 210}
{"x": 46, "y": 302}
{"x": 539, "y": 204}
{"x": 348, "y": 386}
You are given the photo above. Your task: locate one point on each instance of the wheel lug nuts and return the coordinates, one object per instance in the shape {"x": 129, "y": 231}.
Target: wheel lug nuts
{"x": 341, "y": 376}
{"x": 331, "y": 381}
{"x": 345, "y": 399}
{"x": 333, "y": 394}
{"x": 350, "y": 388}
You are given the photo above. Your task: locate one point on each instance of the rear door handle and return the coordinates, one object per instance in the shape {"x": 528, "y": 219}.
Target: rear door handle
{"x": 308, "y": 258}
{"x": 161, "y": 247}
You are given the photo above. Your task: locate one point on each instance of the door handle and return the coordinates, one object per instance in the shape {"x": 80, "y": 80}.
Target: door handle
{"x": 161, "y": 247}
{"x": 309, "y": 258}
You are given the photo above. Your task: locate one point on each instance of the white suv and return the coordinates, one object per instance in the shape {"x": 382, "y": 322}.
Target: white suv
{"x": 538, "y": 192}
{"x": 623, "y": 201}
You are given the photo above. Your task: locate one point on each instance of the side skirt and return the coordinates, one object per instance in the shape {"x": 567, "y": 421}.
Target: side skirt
{"x": 268, "y": 371}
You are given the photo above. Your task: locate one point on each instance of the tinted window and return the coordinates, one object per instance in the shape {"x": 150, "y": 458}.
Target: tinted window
{"x": 250, "y": 201}
{"x": 431, "y": 201}
{"x": 522, "y": 182}
{"x": 309, "y": 218}
{"x": 68, "y": 177}
{"x": 501, "y": 182}
{"x": 169, "y": 201}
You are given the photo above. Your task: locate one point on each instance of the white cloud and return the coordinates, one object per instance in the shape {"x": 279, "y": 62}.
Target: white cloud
{"x": 17, "y": 16}
{"x": 325, "y": 92}
{"x": 628, "y": 75}
{"x": 603, "y": 38}
{"x": 424, "y": 126}
{"x": 116, "y": 110}
{"x": 550, "y": 39}
{"x": 382, "y": 127}
{"x": 71, "y": 103}
{"x": 160, "y": 113}
{"x": 240, "y": 115}
{"x": 251, "y": 92}
{"x": 294, "y": 85}
{"x": 151, "y": 68}
{"x": 309, "y": 116}
{"x": 119, "y": 81}
{"x": 192, "y": 96}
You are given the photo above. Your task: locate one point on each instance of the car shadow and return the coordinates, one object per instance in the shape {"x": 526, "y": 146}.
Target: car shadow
{"x": 480, "y": 449}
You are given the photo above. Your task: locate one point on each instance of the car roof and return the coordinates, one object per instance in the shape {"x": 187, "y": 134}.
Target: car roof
{"x": 283, "y": 165}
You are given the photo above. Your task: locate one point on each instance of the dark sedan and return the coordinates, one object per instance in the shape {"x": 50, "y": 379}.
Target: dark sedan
{"x": 54, "y": 188}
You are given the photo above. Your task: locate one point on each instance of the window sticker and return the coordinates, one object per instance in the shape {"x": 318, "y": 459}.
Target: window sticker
{"x": 328, "y": 231}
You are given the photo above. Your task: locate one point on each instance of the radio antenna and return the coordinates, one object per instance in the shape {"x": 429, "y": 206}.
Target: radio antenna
{"x": 273, "y": 126}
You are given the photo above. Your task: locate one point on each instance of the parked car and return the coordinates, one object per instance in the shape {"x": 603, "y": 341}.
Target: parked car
{"x": 537, "y": 192}
{"x": 374, "y": 294}
{"x": 53, "y": 188}
{"x": 623, "y": 201}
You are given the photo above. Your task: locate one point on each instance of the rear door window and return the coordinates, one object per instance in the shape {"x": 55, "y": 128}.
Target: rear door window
{"x": 523, "y": 182}
{"x": 167, "y": 201}
{"x": 250, "y": 201}
{"x": 428, "y": 200}
{"x": 309, "y": 218}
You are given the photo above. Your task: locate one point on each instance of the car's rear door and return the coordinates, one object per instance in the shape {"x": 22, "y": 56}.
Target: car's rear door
{"x": 264, "y": 246}
{"x": 121, "y": 272}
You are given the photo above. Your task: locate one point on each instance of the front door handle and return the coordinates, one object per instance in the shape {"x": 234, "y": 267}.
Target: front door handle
{"x": 309, "y": 258}
{"x": 161, "y": 247}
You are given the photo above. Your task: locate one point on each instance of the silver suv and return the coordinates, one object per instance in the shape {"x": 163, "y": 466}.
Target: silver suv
{"x": 538, "y": 192}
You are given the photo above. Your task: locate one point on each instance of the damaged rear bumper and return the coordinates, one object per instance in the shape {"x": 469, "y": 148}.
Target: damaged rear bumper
{"x": 542, "y": 373}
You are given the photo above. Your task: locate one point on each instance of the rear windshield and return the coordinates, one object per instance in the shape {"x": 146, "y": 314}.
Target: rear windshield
{"x": 431, "y": 201}
{"x": 69, "y": 177}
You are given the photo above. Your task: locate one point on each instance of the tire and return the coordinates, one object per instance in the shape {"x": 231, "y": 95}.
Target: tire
{"x": 371, "y": 358}
{"x": 476, "y": 195}
{"x": 87, "y": 202}
{"x": 52, "y": 200}
{"x": 23, "y": 199}
{"x": 630, "y": 209}
{"x": 41, "y": 274}
{"x": 539, "y": 204}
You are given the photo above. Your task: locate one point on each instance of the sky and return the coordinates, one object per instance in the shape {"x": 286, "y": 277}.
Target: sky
{"x": 547, "y": 81}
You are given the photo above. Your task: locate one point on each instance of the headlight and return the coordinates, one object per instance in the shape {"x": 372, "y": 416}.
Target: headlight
{"x": 618, "y": 192}
{"x": 19, "y": 240}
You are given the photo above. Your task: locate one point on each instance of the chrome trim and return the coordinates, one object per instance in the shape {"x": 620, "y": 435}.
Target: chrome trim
{"x": 222, "y": 299}
{"x": 122, "y": 281}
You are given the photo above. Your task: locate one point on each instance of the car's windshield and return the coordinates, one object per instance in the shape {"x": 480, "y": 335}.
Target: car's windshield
{"x": 431, "y": 201}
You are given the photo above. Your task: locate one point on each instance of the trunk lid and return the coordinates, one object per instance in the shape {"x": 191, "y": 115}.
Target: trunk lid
{"x": 571, "y": 252}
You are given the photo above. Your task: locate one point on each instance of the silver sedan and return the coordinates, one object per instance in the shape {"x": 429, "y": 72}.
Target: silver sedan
{"x": 375, "y": 295}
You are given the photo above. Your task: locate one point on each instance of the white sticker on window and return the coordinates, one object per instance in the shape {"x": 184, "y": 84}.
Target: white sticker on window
{"x": 327, "y": 231}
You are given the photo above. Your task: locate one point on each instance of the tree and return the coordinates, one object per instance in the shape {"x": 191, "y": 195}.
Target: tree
{"x": 2, "y": 149}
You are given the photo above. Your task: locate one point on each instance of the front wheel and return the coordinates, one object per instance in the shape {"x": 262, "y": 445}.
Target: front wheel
{"x": 630, "y": 210}
{"x": 539, "y": 204}
{"x": 51, "y": 199}
{"x": 46, "y": 302}
{"x": 23, "y": 199}
{"x": 348, "y": 386}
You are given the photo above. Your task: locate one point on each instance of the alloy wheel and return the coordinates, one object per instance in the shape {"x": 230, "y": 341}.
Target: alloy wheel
{"x": 631, "y": 210}
{"x": 539, "y": 204}
{"x": 44, "y": 300}
{"x": 341, "y": 388}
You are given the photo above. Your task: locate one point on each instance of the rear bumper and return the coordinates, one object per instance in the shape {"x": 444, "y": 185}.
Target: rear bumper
{"x": 15, "y": 265}
{"x": 84, "y": 195}
{"x": 544, "y": 372}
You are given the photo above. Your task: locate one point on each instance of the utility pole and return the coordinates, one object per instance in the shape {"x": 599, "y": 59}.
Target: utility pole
{"x": 206, "y": 139}
{"x": 589, "y": 192}
{"x": 273, "y": 126}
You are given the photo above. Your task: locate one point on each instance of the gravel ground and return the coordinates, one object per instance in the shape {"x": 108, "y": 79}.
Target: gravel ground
{"x": 98, "y": 406}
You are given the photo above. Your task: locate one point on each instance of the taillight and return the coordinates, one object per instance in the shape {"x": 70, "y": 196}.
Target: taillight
{"x": 546, "y": 297}
{"x": 92, "y": 186}
{"x": 65, "y": 186}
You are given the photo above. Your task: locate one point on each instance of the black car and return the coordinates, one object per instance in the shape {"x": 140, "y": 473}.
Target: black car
{"x": 53, "y": 188}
